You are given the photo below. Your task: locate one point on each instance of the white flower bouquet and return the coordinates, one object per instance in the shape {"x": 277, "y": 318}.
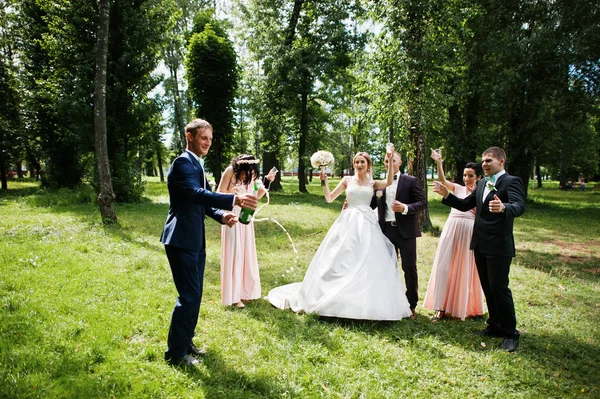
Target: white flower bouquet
{"x": 321, "y": 159}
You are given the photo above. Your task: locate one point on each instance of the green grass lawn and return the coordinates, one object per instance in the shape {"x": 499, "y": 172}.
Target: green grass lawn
{"x": 85, "y": 309}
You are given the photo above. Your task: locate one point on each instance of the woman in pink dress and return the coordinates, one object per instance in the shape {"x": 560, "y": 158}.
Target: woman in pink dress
{"x": 240, "y": 280}
{"x": 454, "y": 286}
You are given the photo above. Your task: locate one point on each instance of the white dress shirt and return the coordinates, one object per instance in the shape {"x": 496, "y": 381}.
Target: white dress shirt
{"x": 486, "y": 190}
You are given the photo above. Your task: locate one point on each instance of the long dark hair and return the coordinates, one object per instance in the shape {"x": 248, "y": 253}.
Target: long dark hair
{"x": 245, "y": 163}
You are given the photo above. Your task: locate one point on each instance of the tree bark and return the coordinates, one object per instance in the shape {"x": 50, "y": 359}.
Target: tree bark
{"x": 3, "y": 171}
{"x": 418, "y": 168}
{"x": 302, "y": 143}
{"x": 106, "y": 197}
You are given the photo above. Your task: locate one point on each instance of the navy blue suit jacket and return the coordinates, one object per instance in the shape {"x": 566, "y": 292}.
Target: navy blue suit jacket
{"x": 493, "y": 232}
{"x": 190, "y": 202}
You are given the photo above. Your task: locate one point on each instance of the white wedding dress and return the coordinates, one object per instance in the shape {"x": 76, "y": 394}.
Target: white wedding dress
{"x": 354, "y": 273}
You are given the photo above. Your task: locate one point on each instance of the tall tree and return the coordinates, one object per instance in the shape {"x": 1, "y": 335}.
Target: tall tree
{"x": 106, "y": 197}
{"x": 413, "y": 64}
{"x": 9, "y": 120}
{"x": 304, "y": 51}
{"x": 211, "y": 66}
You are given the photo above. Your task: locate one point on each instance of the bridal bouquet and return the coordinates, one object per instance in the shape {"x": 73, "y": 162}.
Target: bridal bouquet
{"x": 321, "y": 159}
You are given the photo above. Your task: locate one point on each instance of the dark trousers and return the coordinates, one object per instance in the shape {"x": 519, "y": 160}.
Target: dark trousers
{"x": 408, "y": 255}
{"x": 187, "y": 267}
{"x": 493, "y": 274}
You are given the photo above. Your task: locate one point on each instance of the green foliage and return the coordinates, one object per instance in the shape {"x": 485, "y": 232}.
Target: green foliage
{"x": 9, "y": 120}
{"x": 57, "y": 47}
{"x": 211, "y": 67}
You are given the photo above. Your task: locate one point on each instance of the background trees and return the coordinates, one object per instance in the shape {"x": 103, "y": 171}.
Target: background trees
{"x": 212, "y": 76}
{"x": 294, "y": 77}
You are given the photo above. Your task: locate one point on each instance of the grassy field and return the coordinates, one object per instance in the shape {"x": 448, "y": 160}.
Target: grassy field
{"x": 85, "y": 309}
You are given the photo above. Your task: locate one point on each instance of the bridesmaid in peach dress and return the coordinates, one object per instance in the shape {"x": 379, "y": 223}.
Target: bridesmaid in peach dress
{"x": 454, "y": 286}
{"x": 240, "y": 280}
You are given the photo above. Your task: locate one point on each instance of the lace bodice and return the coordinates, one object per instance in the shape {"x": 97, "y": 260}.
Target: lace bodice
{"x": 356, "y": 194}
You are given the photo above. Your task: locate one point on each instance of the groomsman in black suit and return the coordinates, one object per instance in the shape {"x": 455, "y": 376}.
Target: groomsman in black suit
{"x": 191, "y": 199}
{"x": 398, "y": 209}
{"x": 499, "y": 199}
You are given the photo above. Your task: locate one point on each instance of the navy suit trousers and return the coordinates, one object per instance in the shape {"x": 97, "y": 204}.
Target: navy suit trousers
{"x": 187, "y": 267}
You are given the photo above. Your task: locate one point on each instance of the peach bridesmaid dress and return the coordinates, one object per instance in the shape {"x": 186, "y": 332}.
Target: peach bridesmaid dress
{"x": 239, "y": 265}
{"x": 454, "y": 285}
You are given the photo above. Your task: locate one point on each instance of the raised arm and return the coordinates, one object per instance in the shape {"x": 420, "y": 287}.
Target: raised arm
{"x": 331, "y": 196}
{"x": 437, "y": 157}
{"x": 379, "y": 184}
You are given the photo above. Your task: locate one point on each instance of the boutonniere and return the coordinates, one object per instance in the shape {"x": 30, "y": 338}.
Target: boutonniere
{"x": 491, "y": 183}
{"x": 379, "y": 193}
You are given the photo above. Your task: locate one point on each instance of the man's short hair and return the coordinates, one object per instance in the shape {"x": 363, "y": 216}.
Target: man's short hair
{"x": 497, "y": 152}
{"x": 197, "y": 124}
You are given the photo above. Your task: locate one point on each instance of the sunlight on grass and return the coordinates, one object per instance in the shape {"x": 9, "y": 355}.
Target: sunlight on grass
{"x": 85, "y": 309}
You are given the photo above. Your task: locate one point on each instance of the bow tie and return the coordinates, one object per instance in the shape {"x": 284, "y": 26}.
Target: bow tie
{"x": 395, "y": 177}
{"x": 490, "y": 179}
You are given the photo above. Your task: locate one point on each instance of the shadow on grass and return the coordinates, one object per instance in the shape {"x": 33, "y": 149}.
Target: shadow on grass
{"x": 221, "y": 381}
{"x": 584, "y": 267}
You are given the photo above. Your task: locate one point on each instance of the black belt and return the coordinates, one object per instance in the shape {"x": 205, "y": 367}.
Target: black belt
{"x": 392, "y": 223}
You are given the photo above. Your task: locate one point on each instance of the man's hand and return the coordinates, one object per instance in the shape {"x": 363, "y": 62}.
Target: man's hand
{"x": 398, "y": 206}
{"x": 246, "y": 201}
{"x": 345, "y": 205}
{"x": 440, "y": 189}
{"x": 496, "y": 205}
{"x": 229, "y": 218}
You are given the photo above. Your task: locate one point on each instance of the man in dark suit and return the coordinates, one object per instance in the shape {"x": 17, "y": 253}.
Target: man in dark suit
{"x": 499, "y": 199}
{"x": 184, "y": 238}
{"x": 397, "y": 209}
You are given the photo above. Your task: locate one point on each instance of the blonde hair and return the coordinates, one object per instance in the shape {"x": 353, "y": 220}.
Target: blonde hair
{"x": 366, "y": 156}
{"x": 197, "y": 124}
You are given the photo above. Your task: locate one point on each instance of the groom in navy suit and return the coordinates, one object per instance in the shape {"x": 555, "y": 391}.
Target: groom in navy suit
{"x": 499, "y": 199}
{"x": 184, "y": 238}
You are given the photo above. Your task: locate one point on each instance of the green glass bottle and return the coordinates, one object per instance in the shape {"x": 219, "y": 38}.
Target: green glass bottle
{"x": 246, "y": 214}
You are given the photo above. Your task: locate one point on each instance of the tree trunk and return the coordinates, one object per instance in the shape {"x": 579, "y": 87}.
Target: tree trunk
{"x": 538, "y": 172}
{"x": 106, "y": 198}
{"x": 3, "y": 172}
{"x": 417, "y": 167}
{"x": 159, "y": 156}
{"x": 269, "y": 160}
{"x": 178, "y": 109}
{"x": 302, "y": 143}
{"x": 19, "y": 166}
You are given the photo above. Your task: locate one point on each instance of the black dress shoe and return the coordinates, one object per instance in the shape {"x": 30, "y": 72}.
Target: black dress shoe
{"x": 194, "y": 351}
{"x": 185, "y": 361}
{"x": 489, "y": 332}
{"x": 510, "y": 344}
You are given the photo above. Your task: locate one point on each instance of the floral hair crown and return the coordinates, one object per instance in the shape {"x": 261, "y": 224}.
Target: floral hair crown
{"x": 248, "y": 161}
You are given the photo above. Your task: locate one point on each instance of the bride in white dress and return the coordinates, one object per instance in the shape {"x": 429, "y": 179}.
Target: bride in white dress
{"x": 354, "y": 273}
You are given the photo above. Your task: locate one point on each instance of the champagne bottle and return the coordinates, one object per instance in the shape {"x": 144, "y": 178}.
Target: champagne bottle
{"x": 246, "y": 214}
